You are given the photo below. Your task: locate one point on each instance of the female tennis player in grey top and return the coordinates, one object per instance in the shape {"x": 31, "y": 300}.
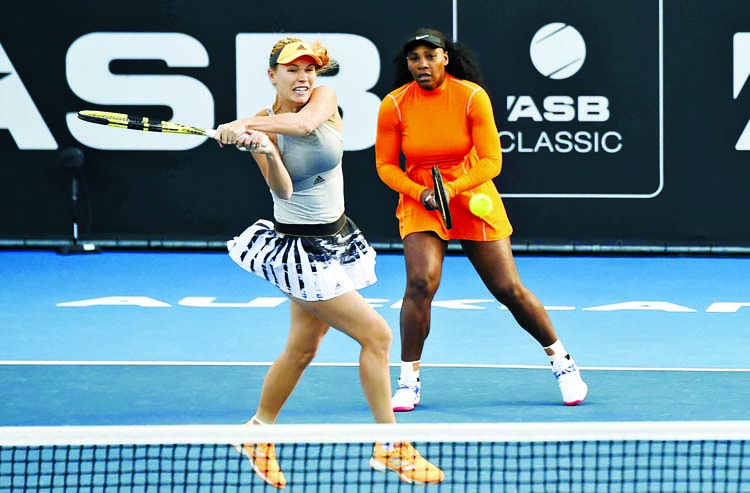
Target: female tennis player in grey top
{"x": 313, "y": 252}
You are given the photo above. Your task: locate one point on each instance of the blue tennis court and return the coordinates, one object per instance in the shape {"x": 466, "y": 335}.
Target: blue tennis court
{"x": 185, "y": 338}
{"x": 180, "y": 338}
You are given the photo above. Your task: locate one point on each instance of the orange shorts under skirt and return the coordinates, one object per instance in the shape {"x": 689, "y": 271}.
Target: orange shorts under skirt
{"x": 413, "y": 217}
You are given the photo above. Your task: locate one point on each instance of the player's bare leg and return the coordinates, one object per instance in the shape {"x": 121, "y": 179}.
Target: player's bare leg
{"x": 351, "y": 314}
{"x": 306, "y": 332}
{"x": 424, "y": 253}
{"x": 494, "y": 262}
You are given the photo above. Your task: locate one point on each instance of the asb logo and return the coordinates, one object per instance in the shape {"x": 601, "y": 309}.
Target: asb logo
{"x": 741, "y": 74}
{"x": 558, "y": 51}
{"x": 89, "y": 76}
{"x": 584, "y": 101}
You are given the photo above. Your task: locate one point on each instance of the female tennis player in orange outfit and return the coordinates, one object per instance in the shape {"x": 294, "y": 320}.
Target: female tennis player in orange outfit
{"x": 440, "y": 115}
{"x": 312, "y": 251}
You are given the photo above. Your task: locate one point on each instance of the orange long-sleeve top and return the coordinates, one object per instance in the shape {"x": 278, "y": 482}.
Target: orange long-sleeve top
{"x": 452, "y": 126}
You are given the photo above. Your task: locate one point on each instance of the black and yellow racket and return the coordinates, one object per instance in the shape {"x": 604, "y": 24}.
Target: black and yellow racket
{"x": 441, "y": 197}
{"x": 142, "y": 123}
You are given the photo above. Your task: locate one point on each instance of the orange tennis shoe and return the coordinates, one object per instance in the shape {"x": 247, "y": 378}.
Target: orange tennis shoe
{"x": 405, "y": 460}
{"x": 263, "y": 458}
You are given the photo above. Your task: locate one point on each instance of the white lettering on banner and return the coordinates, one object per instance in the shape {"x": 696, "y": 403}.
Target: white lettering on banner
{"x": 593, "y": 109}
{"x": 18, "y": 113}
{"x": 741, "y": 74}
{"x": 524, "y": 107}
{"x": 87, "y": 68}
{"x": 563, "y": 142}
{"x": 559, "y": 108}
{"x": 359, "y": 70}
{"x": 558, "y": 51}
{"x": 456, "y": 304}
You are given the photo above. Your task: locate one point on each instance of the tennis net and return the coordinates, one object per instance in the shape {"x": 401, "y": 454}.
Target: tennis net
{"x": 695, "y": 456}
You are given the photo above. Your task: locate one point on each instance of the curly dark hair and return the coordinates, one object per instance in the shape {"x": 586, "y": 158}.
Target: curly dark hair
{"x": 462, "y": 63}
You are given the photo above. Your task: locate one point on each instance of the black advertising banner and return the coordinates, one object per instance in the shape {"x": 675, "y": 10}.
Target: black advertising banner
{"x": 672, "y": 76}
{"x": 190, "y": 63}
{"x": 621, "y": 122}
{"x": 577, "y": 94}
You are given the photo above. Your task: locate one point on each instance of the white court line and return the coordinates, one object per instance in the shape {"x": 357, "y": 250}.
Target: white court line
{"x": 268, "y": 363}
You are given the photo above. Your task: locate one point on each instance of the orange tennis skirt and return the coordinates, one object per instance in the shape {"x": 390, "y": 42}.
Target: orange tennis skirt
{"x": 414, "y": 218}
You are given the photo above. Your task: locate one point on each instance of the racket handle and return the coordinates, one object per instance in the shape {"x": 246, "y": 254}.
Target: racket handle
{"x": 211, "y": 134}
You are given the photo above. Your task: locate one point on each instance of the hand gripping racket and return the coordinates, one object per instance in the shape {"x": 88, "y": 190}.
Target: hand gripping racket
{"x": 441, "y": 197}
{"x": 132, "y": 122}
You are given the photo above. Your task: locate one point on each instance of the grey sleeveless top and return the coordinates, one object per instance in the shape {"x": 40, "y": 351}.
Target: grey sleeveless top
{"x": 314, "y": 164}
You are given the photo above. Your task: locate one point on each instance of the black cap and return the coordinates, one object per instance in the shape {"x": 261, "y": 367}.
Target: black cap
{"x": 426, "y": 36}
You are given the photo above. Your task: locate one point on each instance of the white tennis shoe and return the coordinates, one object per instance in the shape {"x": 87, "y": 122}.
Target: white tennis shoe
{"x": 572, "y": 386}
{"x": 407, "y": 396}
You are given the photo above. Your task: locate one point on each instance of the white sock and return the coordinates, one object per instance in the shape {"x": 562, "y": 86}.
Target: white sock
{"x": 408, "y": 374}
{"x": 557, "y": 351}
{"x": 256, "y": 421}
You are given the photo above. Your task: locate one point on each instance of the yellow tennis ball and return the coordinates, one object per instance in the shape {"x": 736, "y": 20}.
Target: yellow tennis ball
{"x": 480, "y": 204}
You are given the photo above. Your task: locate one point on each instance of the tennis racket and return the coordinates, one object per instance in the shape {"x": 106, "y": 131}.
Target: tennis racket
{"x": 145, "y": 124}
{"x": 441, "y": 197}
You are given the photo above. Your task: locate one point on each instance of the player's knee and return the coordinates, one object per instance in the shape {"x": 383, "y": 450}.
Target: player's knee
{"x": 301, "y": 357}
{"x": 384, "y": 336}
{"x": 508, "y": 291}
{"x": 379, "y": 336}
{"x": 421, "y": 289}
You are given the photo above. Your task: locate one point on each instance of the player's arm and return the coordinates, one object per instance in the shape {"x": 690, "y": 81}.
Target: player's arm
{"x": 388, "y": 152}
{"x": 487, "y": 143}
{"x": 321, "y": 107}
{"x": 266, "y": 154}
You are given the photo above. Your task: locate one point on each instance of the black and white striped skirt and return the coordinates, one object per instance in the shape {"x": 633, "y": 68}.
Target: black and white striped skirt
{"x": 312, "y": 268}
